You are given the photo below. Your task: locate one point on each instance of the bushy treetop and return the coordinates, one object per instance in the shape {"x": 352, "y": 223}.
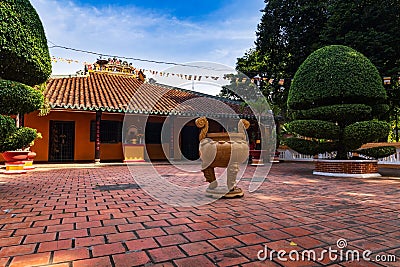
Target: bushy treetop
{"x": 335, "y": 75}
{"x": 337, "y": 97}
{"x": 24, "y": 62}
{"x": 24, "y": 55}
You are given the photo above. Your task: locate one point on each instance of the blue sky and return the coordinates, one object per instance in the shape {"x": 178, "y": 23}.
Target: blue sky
{"x": 194, "y": 10}
{"x": 180, "y": 31}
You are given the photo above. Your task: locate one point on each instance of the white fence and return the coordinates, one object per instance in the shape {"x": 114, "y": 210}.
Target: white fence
{"x": 291, "y": 155}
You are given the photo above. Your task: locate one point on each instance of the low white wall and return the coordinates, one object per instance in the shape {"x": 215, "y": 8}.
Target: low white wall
{"x": 288, "y": 154}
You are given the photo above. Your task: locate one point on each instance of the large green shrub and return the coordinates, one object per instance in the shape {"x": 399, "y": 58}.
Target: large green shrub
{"x": 337, "y": 97}
{"x": 24, "y": 55}
{"x": 378, "y": 152}
{"x": 19, "y": 98}
{"x": 20, "y": 138}
{"x": 24, "y": 62}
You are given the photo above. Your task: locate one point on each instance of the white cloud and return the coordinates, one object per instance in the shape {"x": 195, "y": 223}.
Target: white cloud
{"x": 141, "y": 33}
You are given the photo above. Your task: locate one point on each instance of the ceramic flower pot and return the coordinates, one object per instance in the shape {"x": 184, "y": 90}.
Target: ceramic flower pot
{"x": 29, "y": 161}
{"x": 15, "y": 161}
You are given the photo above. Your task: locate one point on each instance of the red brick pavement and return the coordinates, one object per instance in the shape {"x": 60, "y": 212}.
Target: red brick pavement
{"x": 59, "y": 217}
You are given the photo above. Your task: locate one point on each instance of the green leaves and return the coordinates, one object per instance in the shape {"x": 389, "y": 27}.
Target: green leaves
{"x": 337, "y": 92}
{"x": 288, "y": 32}
{"x": 335, "y": 75}
{"x": 359, "y": 133}
{"x": 24, "y": 59}
{"x": 370, "y": 27}
{"x": 7, "y": 125}
{"x": 16, "y": 98}
{"x": 13, "y": 138}
{"x": 310, "y": 147}
{"x": 19, "y": 139}
{"x": 24, "y": 55}
{"x": 344, "y": 114}
{"x": 377, "y": 152}
{"x": 315, "y": 128}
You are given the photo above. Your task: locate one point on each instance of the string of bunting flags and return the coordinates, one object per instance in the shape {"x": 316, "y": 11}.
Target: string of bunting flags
{"x": 386, "y": 80}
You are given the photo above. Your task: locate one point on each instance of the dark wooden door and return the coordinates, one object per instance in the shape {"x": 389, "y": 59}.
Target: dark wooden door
{"x": 62, "y": 141}
{"x": 190, "y": 142}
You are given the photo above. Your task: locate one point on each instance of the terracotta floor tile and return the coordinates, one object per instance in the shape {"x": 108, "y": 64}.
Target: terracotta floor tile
{"x": 171, "y": 240}
{"x": 98, "y": 262}
{"x": 228, "y": 257}
{"x": 138, "y": 258}
{"x": 70, "y": 255}
{"x": 197, "y": 248}
{"x": 199, "y": 235}
{"x": 17, "y": 250}
{"x": 141, "y": 244}
{"x": 194, "y": 261}
{"x": 69, "y": 221}
{"x": 31, "y": 259}
{"x": 225, "y": 243}
{"x": 55, "y": 245}
{"x": 166, "y": 254}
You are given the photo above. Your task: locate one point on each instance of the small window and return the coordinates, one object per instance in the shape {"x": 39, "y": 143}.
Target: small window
{"x": 110, "y": 131}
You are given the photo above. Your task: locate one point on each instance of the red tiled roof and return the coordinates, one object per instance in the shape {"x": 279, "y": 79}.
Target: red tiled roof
{"x": 119, "y": 93}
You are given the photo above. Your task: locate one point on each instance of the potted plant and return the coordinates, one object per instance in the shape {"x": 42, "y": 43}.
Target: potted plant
{"x": 25, "y": 63}
{"x": 14, "y": 142}
{"x": 337, "y": 99}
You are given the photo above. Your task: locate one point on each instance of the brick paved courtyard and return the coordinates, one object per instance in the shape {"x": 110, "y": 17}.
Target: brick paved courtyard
{"x": 66, "y": 217}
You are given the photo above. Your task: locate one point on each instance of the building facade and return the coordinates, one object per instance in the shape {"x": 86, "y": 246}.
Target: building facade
{"x": 106, "y": 112}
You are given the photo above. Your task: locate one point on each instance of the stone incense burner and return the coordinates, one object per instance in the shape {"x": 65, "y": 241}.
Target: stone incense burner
{"x": 225, "y": 150}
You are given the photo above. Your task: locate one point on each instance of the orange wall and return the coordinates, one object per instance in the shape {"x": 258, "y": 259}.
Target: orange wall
{"x": 83, "y": 149}
{"x": 111, "y": 151}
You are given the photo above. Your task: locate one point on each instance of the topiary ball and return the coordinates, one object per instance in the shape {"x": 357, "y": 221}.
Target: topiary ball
{"x": 335, "y": 75}
{"x": 24, "y": 54}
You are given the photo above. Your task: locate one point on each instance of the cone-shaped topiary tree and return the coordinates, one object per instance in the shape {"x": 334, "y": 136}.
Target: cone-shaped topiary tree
{"x": 337, "y": 97}
{"x": 24, "y": 62}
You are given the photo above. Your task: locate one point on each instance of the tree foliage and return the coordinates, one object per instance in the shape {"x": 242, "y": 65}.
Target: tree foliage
{"x": 288, "y": 33}
{"x": 24, "y": 55}
{"x": 378, "y": 152}
{"x": 337, "y": 77}
{"x": 24, "y": 62}
{"x": 27, "y": 98}
{"x": 369, "y": 26}
{"x": 290, "y": 30}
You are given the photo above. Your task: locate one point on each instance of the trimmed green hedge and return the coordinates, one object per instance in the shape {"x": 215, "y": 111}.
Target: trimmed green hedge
{"x": 337, "y": 94}
{"x": 7, "y": 125}
{"x": 310, "y": 147}
{"x": 377, "y": 152}
{"x": 19, "y": 98}
{"x": 335, "y": 74}
{"x": 315, "y": 128}
{"x": 24, "y": 62}
{"x": 19, "y": 139}
{"x": 342, "y": 113}
{"x": 359, "y": 133}
{"x": 24, "y": 54}
{"x": 380, "y": 109}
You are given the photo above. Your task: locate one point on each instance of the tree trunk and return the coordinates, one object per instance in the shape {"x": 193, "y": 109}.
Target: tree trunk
{"x": 341, "y": 152}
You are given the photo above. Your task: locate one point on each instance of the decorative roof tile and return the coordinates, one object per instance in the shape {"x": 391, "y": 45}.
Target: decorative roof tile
{"x": 119, "y": 93}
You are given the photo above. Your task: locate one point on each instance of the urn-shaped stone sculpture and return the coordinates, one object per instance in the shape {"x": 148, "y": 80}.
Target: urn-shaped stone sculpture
{"x": 225, "y": 150}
